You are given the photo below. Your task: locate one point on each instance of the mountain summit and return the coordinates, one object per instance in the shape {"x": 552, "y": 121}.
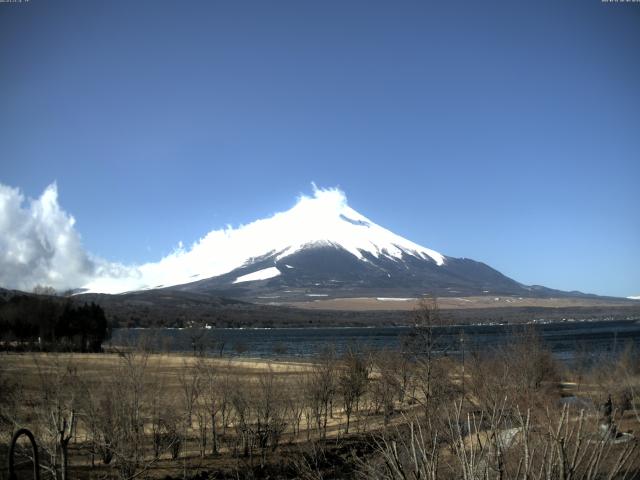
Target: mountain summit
{"x": 319, "y": 248}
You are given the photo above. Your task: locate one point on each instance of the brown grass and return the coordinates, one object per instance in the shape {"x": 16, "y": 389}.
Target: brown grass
{"x": 489, "y": 301}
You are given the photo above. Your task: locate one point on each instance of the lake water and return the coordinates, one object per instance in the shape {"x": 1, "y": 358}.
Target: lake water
{"x": 565, "y": 339}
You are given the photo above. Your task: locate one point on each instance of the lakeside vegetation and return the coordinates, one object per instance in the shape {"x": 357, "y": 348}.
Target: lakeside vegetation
{"x": 511, "y": 413}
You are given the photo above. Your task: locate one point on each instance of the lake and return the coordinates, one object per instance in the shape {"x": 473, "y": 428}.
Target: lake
{"x": 565, "y": 339}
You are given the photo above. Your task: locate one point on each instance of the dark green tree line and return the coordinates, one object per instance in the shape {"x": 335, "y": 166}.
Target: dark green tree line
{"x": 49, "y": 321}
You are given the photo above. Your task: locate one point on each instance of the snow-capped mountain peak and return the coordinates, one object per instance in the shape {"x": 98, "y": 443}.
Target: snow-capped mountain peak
{"x": 324, "y": 219}
{"x": 327, "y": 218}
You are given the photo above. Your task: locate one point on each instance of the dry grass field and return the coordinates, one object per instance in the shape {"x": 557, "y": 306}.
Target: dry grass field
{"x": 171, "y": 387}
{"x": 136, "y": 414}
{"x": 446, "y": 303}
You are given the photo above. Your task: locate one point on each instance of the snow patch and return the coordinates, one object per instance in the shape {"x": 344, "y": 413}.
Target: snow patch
{"x": 394, "y": 299}
{"x": 634, "y": 297}
{"x": 263, "y": 274}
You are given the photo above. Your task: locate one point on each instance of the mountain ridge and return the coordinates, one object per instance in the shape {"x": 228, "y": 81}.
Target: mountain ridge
{"x": 331, "y": 272}
{"x": 324, "y": 219}
{"x": 320, "y": 248}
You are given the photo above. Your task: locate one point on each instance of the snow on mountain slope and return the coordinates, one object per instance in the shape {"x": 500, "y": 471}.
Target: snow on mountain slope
{"x": 323, "y": 219}
{"x": 263, "y": 274}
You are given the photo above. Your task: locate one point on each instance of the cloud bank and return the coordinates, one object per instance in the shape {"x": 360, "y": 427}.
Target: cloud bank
{"x": 39, "y": 244}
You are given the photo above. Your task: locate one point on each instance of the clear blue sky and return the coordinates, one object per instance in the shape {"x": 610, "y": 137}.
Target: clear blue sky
{"x": 507, "y": 132}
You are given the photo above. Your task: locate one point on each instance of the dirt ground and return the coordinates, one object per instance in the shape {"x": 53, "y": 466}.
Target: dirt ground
{"x": 408, "y": 304}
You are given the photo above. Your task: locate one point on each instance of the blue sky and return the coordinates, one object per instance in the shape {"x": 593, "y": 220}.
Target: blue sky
{"x": 507, "y": 132}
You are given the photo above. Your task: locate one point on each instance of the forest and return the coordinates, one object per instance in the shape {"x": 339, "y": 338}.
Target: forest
{"x": 47, "y": 322}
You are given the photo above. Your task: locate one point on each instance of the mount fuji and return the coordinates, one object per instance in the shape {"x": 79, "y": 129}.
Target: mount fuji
{"x": 320, "y": 248}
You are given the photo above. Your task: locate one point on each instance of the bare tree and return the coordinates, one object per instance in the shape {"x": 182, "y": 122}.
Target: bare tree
{"x": 296, "y": 402}
{"x": 505, "y": 446}
{"x": 98, "y": 412}
{"x": 211, "y": 401}
{"x": 425, "y": 346}
{"x": 320, "y": 389}
{"x": 122, "y": 406}
{"x": 270, "y": 410}
{"x": 58, "y": 409}
{"x": 352, "y": 379}
{"x": 225, "y": 385}
{"x": 240, "y": 400}
{"x": 522, "y": 371}
{"x": 189, "y": 381}
{"x": 310, "y": 461}
{"x": 164, "y": 419}
{"x": 404, "y": 369}
{"x": 385, "y": 386}
{"x": 403, "y": 456}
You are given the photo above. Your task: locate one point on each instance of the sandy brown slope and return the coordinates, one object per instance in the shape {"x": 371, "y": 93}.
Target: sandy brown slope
{"x": 446, "y": 303}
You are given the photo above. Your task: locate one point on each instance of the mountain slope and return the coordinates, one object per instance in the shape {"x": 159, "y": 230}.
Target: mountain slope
{"x": 323, "y": 271}
{"x": 322, "y": 220}
{"x": 319, "y": 248}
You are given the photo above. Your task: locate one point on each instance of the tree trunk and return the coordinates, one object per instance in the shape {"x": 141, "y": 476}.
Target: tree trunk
{"x": 214, "y": 435}
{"x": 65, "y": 457}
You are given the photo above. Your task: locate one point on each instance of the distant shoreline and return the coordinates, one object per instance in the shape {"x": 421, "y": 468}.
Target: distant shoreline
{"x": 455, "y": 303}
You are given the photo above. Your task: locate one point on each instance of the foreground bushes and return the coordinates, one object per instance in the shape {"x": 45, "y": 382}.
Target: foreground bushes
{"x": 417, "y": 412}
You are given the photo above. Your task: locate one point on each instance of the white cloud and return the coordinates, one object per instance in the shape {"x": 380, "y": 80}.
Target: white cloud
{"x": 39, "y": 244}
